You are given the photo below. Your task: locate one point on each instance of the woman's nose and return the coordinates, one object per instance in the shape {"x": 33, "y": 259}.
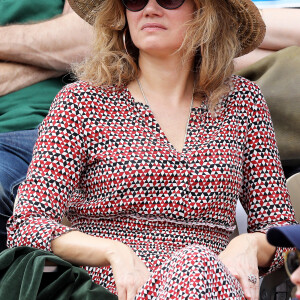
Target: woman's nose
{"x": 152, "y": 7}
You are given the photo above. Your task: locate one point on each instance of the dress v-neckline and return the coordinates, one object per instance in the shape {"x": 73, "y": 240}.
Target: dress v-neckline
{"x": 162, "y": 133}
{"x": 167, "y": 142}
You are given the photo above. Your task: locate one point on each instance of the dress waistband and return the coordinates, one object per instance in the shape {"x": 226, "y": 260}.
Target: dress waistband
{"x": 154, "y": 232}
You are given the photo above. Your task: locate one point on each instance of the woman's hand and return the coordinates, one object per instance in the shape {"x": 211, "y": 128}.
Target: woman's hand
{"x": 130, "y": 273}
{"x": 240, "y": 257}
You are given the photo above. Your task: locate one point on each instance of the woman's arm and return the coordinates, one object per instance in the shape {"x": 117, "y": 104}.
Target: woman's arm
{"x": 130, "y": 273}
{"x": 243, "y": 255}
{"x": 55, "y": 174}
{"x": 263, "y": 195}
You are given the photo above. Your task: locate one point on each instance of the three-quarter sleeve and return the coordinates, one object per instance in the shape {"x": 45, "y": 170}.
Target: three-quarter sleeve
{"x": 53, "y": 175}
{"x": 264, "y": 193}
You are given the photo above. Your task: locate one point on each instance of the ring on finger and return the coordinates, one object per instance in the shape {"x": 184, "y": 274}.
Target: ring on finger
{"x": 252, "y": 278}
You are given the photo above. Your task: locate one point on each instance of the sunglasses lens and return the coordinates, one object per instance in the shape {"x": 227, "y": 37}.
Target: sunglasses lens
{"x": 291, "y": 261}
{"x": 170, "y": 4}
{"x": 135, "y": 5}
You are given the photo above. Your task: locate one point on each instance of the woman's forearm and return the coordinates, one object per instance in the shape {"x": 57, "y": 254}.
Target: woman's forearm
{"x": 82, "y": 249}
{"x": 130, "y": 273}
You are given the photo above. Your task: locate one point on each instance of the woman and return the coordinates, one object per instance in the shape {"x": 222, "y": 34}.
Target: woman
{"x": 148, "y": 156}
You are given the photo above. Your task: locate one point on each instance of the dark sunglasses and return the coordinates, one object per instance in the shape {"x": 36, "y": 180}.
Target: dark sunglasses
{"x": 137, "y": 5}
{"x": 291, "y": 261}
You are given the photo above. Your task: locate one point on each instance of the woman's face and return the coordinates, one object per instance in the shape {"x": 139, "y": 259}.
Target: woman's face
{"x": 159, "y": 31}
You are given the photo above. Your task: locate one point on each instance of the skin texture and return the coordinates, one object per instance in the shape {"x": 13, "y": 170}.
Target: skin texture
{"x": 282, "y": 30}
{"x": 157, "y": 31}
{"x": 160, "y": 63}
{"x": 30, "y": 53}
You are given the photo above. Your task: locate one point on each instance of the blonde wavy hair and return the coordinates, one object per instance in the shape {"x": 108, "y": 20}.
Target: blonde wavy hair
{"x": 211, "y": 38}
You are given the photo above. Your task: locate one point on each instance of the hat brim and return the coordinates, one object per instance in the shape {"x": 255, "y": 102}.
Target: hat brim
{"x": 285, "y": 236}
{"x": 251, "y": 31}
{"x": 86, "y": 9}
{"x": 252, "y": 28}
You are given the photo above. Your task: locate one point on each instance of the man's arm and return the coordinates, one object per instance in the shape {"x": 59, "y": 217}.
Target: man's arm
{"x": 250, "y": 58}
{"x": 53, "y": 44}
{"x": 16, "y": 76}
{"x": 35, "y": 52}
{"x": 282, "y": 30}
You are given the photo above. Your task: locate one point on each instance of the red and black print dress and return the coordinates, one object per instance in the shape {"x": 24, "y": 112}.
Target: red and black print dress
{"x": 102, "y": 159}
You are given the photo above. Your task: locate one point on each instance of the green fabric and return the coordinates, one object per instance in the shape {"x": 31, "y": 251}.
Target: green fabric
{"x": 24, "y": 11}
{"x": 26, "y": 108}
{"x": 22, "y": 277}
{"x": 278, "y": 76}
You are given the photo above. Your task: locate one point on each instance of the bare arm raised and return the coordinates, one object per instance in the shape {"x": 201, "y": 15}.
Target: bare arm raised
{"x": 282, "y": 26}
{"x": 282, "y": 30}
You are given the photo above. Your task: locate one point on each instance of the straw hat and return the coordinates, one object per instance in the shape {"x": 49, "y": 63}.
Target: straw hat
{"x": 251, "y": 31}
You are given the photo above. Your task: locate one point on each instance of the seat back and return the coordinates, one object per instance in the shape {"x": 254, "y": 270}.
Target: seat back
{"x": 293, "y": 185}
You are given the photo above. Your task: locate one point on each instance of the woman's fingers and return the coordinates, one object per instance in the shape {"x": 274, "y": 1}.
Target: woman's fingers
{"x": 129, "y": 284}
{"x": 128, "y": 287}
{"x": 131, "y": 294}
{"x": 241, "y": 268}
{"x": 250, "y": 288}
{"x": 240, "y": 257}
{"x": 250, "y": 285}
{"x": 130, "y": 272}
{"x": 122, "y": 295}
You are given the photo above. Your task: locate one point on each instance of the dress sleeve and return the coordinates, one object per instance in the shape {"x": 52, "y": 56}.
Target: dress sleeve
{"x": 264, "y": 193}
{"x": 53, "y": 175}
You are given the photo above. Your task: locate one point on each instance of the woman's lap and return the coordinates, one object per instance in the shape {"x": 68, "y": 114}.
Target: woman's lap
{"x": 193, "y": 272}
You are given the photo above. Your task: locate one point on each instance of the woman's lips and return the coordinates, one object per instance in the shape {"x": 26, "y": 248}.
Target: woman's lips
{"x": 153, "y": 26}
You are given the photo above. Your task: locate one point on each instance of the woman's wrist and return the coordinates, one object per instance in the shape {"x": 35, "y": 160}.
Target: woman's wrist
{"x": 258, "y": 243}
{"x": 111, "y": 250}
{"x": 114, "y": 250}
{"x": 84, "y": 249}
{"x": 265, "y": 251}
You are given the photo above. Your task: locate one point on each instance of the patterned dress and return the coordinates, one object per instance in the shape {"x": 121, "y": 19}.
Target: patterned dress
{"x": 102, "y": 159}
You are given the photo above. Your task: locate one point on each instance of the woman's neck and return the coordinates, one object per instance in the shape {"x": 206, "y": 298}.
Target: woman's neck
{"x": 166, "y": 78}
